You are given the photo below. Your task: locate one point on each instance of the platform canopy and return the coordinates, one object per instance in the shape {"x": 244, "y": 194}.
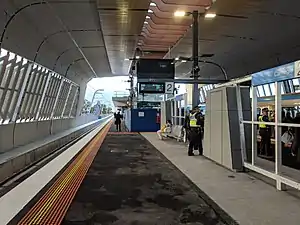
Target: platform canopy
{"x": 97, "y": 37}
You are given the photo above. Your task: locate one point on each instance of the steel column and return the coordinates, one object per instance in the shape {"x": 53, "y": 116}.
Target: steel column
{"x": 278, "y": 152}
{"x": 195, "y": 71}
{"x": 253, "y": 126}
{"x": 242, "y": 130}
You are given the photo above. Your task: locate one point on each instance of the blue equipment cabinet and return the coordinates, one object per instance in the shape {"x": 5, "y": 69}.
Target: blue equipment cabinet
{"x": 142, "y": 120}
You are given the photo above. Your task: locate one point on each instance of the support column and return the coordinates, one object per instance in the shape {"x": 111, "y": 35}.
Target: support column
{"x": 253, "y": 126}
{"x": 195, "y": 71}
{"x": 278, "y": 151}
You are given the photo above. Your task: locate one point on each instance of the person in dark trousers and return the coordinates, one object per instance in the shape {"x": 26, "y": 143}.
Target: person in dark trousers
{"x": 118, "y": 120}
{"x": 296, "y": 141}
{"x": 195, "y": 134}
{"x": 265, "y": 134}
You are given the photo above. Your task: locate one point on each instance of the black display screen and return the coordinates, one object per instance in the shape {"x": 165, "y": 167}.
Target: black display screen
{"x": 155, "y": 69}
{"x": 152, "y": 88}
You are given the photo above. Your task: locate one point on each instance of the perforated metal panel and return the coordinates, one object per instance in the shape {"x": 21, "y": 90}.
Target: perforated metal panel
{"x": 31, "y": 92}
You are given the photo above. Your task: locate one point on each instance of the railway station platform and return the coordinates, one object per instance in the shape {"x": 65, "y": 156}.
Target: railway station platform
{"x": 111, "y": 177}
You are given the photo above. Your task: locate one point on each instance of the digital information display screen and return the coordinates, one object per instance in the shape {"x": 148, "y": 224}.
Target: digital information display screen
{"x": 155, "y": 69}
{"x": 153, "y": 88}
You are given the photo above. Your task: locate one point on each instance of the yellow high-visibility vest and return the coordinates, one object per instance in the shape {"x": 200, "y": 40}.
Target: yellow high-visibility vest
{"x": 193, "y": 120}
{"x": 260, "y": 119}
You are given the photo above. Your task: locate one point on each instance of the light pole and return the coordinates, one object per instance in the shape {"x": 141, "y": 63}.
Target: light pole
{"x": 195, "y": 71}
{"x": 206, "y": 62}
{"x": 94, "y": 95}
{"x": 131, "y": 90}
{"x": 195, "y": 49}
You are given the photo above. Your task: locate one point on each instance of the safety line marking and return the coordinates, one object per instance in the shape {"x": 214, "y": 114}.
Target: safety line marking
{"x": 53, "y": 205}
{"x": 122, "y": 133}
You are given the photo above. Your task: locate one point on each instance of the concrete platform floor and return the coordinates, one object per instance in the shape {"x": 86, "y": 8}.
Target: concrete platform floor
{"x": 131, "y": 183}
{"x": 248, "y": 200}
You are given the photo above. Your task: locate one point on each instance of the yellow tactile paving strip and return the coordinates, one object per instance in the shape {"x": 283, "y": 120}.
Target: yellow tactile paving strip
{"x": 53, "y": 205}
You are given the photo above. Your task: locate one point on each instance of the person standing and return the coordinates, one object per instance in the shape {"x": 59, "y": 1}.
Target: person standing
{"x": 195, "y": 134}
{"x": 118, "y": 120}
{"x": 265, "y": 133}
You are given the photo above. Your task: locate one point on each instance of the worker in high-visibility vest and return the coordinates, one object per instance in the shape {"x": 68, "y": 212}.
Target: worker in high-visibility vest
{"x": 194, "y": 134}
{"x": 265, "y": 133}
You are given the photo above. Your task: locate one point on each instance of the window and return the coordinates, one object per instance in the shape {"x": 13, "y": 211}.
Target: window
{"x": 261, "y": 91}
{"x": 291, "y": 86}
{"x": 204, "y": 91}
{"x": 267, "y": 90}
{"x": 272, "y": 88}
{"x": 257, "y": 92}
{"x": 201, "y": 98}
{"x": 296, "y": 85}
{"x": 282, "y": 89}
{"x": 296, "y": 82}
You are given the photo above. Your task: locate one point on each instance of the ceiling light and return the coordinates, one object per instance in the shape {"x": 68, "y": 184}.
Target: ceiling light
{"x": 150, "y": 11}
{"x": 176, "y": 58}
{"x": 152, "y": 4}
{"x": 137, "y": 57}
{"x": 147, "y": 17}
{"x": 179, "y": 13}
{"x": 210, "y": 15}
{"x": 183, "y": 61}
{"x": 145, "y": 22}
{"x": 126, "y": 59}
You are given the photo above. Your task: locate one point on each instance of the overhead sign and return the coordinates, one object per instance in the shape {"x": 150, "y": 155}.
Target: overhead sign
{"x": 297, "y": 68}
{"x": 152, "y": 88}
{"x": 156, "y": 88}
{"x": 280, "y": 73}
{"x": 155, "y": 69}
{"x": 169, "y": 87}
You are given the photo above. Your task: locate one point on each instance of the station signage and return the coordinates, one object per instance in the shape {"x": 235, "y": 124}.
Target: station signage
{"x": 297, "y": 69}
{"x": 152, "y": 88}
{"x": 280, "y": 73}
{"x": 156, "y": 88}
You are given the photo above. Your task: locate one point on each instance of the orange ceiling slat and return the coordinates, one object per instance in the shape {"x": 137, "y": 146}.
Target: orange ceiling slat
{"x": 161, "y": 29}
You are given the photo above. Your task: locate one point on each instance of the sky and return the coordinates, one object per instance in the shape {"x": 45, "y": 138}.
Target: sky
{"x": 109, "y": 84}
